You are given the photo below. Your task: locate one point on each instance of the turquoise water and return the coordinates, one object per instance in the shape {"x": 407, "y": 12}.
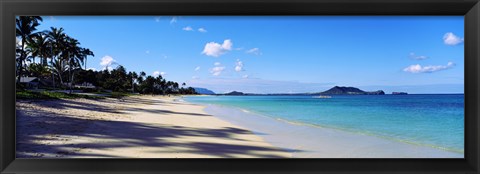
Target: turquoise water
{"x": 428, "y": 120}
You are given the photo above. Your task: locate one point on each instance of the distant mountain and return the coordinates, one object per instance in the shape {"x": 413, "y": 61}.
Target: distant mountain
{"x": 204, "y": 91}
{"x": 234, "y": 93}
{"x": 341, "y": 90}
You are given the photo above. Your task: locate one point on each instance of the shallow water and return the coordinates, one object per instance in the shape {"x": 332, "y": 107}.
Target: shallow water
{"x": 434, "y": 121}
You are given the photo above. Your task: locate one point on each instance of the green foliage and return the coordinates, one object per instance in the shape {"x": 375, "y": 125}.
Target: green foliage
{"x": 50, "y": 95}
{"x": 119, "y": 94}
{"x": 38, "y": 70}
{"x": 65, "y": 68}
{"x": 121, "y": 81}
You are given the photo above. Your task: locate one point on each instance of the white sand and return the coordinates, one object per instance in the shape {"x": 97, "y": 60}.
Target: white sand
{"x": 137, "y": 127}
{"x": 166, "y": 127}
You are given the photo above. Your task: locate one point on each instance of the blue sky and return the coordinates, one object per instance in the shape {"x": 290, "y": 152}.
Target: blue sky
{"x": 280, "y": 54}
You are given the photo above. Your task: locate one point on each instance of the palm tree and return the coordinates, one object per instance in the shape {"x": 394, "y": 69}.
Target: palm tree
{"x": 58, "y": 67}
{"x": 86, "y": 52}
{"x": 25, "y": 28}
{"x": 38, "y": 47}
{"x": 175, "y": 86}
{"x": 141, "y": 77}
{"x": 74, "y": 57}
{"x": 134, "y": 76}
{"x": 56, "y": 38}
{"x": 38, "y": 70}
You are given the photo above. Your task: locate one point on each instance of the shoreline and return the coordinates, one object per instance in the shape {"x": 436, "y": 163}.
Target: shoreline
{"x": 171, "y": 127}
{"x": 282, "y": 133}
{"x": 134, "y": 127}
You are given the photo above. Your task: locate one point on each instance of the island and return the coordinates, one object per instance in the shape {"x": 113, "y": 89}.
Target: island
{"x": 204, "y": 91}
{"x": 341, "y": 90}
{"x": 234, "y": 93}
{"x": 336, "y": 90}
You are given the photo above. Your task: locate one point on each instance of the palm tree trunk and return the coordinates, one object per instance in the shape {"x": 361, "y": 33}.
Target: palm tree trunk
{"x": 70, "y": 71}
{"x": 22, "y": 55}
{"x": 73, "y": 77}
{"x": 61, "y": 79}
{"x": 53, "y": 75}
{"x": 44, "y": 61}
{"x": 60, "y": 74}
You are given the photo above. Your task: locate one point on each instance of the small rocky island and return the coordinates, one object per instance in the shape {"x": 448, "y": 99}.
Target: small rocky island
{"x": 234, "y": 93}
{"x": 341, "y": 90}
{"x": 204, "y": 91}
{"x": 399, "y": 93}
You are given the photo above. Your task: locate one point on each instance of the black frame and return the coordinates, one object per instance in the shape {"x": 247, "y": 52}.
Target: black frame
{"x": 10, "y": 8}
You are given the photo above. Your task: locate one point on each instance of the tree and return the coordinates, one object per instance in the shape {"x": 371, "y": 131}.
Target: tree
{"x": 38, "y": 46}
{"x": 58, "y": 67}
{"x": 73, "y": 55}
{"x": 56, "y": 38}
{"x": 132, "y": 77}
{"x": 25, "y": 29}
{"x": 119, "y": 78}
{"x": 38, "y": 70}
{"x": 86, "y": 52}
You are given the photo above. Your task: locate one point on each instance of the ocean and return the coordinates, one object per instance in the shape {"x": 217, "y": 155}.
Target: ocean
{"x": 430, "y": 120}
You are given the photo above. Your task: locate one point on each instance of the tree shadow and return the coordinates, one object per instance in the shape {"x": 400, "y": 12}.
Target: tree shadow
{"x": 162, "y": 111}
{"x": 37, "y": 126}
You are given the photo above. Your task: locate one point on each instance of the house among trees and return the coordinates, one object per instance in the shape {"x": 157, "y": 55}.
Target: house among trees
{"x": 30, "y": 82}
{"x": 86, "y": 85}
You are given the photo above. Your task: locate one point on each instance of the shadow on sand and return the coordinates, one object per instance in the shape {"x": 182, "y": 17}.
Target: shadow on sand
{"x": 33, "y": 127}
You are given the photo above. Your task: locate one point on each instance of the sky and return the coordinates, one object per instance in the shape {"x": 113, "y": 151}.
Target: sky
{"x": 279, "y": 54}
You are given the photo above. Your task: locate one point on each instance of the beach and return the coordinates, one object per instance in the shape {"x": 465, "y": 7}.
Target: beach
{"x": 168, "y": 127}
{"x": 133, "y": 127}
{"x": 305, "y": 141}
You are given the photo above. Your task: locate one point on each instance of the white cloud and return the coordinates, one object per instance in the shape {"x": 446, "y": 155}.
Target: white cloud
{"x": 215, "y": 49}
{"x": 194, "y": 77}
{"x": 197, "y": 68}
{"x": 157, "y": 19}
{"x": 227, "y": 44}
{"x": 174, "y": 20}
{"x": 255, "y": 51}
{"x": 187, "y": 28}
{"x": 451, "y": 39}
{"x": 239, "y": 65}
{"x": 157, "y": 73}
{"x": 107, "y": 61}
{"x": 203, "y": 30}
{"x": 216, "y": 63}
{"x": 417, "y": 57}
{"x": 147, "y": 52}
{"x": 245, "y": 76}
{"x": 216, "y": 71}
{"x": 428, "y": 69}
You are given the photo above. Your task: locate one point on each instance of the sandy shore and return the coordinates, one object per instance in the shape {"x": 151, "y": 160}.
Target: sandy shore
{"x": 136, "y": 127}
{"x": 305, "y": 141}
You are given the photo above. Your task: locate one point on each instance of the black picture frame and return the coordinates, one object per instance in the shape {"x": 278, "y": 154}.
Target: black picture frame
{"x": 10, "y": 8}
